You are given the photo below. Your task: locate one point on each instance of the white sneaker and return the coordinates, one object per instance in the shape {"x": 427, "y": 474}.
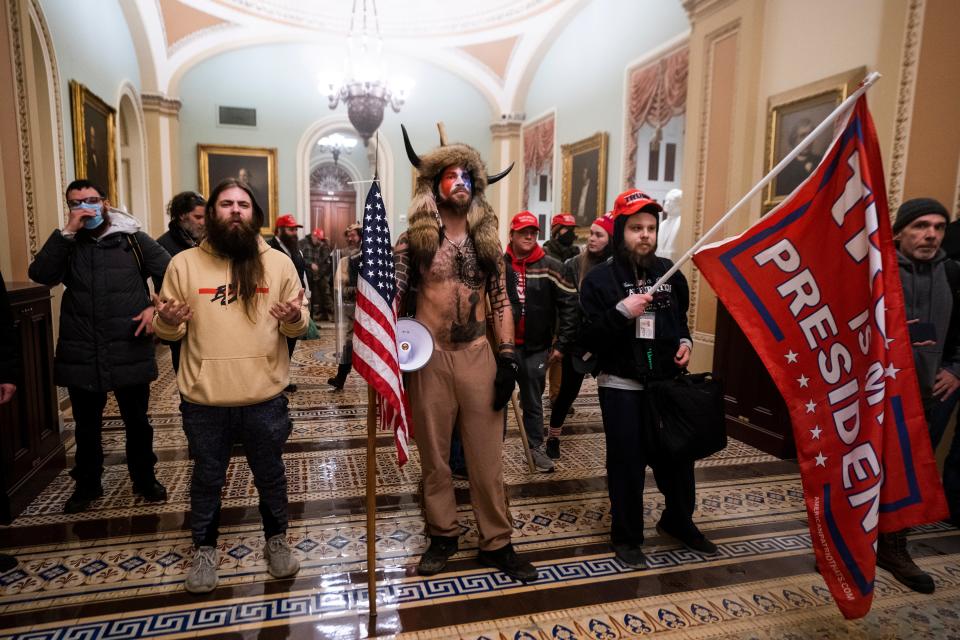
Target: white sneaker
{"x": 202, "y": 577}
{"x": 281, "y": 561}
{"x": 542, "y": 461}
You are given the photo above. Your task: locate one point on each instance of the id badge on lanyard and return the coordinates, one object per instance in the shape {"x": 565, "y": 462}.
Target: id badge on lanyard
{"x": 646, "y": 326}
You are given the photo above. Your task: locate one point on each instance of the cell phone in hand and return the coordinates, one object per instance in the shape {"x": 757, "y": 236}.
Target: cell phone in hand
{"x": 922, "y": 332}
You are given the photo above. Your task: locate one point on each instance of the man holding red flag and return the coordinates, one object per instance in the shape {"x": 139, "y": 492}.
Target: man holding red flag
{"x": 814, "y": 286}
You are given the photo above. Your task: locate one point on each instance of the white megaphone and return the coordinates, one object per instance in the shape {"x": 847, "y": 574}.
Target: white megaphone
{"x": 414, "y": 344}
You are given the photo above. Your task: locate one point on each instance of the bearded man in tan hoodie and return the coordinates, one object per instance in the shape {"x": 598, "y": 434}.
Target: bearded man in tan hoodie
{"x": 233, "y": 302}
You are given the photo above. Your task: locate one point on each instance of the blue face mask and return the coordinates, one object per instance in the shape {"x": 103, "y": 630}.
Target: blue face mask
{"x": 97, "y": 219}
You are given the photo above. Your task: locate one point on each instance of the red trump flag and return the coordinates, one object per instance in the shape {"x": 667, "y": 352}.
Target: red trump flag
{"x": 814, "y": 286}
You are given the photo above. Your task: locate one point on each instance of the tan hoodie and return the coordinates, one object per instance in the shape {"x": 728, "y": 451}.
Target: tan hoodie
{"x": 226, "y": 360}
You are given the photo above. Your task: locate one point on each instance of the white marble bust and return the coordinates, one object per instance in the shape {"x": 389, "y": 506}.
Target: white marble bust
{"x": 669, "y": 226}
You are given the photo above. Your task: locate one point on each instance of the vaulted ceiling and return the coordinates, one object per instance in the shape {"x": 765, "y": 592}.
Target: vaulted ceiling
{"x": 493, "y": 44}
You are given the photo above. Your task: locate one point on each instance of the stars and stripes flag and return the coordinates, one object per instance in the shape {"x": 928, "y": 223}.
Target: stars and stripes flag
{"x": 375, "y": 323}
{"x": 815, "y": 287}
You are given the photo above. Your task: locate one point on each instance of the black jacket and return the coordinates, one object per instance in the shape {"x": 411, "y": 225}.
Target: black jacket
{"x": 609, "y": 334}
{"x": 550, "y": 304}
{"x": 560, "y": 251}
{"x": 104, "y": 290}
{"x": 297, "y": 258}
{"x": 176, "y": 239}
{"x": 9, "y": 340}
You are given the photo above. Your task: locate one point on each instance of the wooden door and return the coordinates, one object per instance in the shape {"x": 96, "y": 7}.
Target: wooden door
{"x": 31, "y": 452}
{"x": 755, "y": 410}
{"x": 333, "y": 213}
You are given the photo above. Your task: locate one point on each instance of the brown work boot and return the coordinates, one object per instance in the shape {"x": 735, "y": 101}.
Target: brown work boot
{"x": 893, "y": 556}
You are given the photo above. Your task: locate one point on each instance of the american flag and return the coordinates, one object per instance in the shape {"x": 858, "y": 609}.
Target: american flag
{"x": 375, "y": 323}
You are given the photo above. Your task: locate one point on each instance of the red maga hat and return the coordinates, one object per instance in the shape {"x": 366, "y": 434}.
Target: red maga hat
{"x": 633, "y": 200}
{"x": 318, "y": 233}
{"x": 563, "y": 220}
{"x": 288, "y": 220}
{"x": 605, "y": 222}
{"x": 523, "y": 220}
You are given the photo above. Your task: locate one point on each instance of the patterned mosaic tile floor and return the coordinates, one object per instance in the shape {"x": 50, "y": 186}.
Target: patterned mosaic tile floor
{"x": 116, "y": 570}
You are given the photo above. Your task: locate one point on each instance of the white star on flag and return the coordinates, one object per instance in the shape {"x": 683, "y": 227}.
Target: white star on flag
{"x": 821, "y": 460}
{"x": 791, "y": 356}
{"x": 815, "y": 432}
{"x": 811, "y": 406}
{"x": 803, "y": 380}
{"x": 891, "y": 371}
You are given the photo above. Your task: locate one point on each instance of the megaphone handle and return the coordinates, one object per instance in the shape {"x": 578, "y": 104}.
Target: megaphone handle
{"x": 523, "y": 432}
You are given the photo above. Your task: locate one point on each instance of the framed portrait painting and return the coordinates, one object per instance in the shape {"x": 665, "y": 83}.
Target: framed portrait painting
{"x": 790, "y": 117}
{"x": 94, "y": 125}
{"x": 585, "y": 178}
{"x": 255, "y": 166}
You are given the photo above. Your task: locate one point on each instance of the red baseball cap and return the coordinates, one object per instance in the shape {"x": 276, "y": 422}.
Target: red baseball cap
{"x": 287, "y": 220}
{"x": 605, "y": 222}
{"x": 318, "y": 233}
{"x": 633, "y": 200}
{"x": 523, "y": 220}
{"x": 563, "y": 220}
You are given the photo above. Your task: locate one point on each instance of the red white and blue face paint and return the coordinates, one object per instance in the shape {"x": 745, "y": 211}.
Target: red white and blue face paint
{"x": 453, "y": 181}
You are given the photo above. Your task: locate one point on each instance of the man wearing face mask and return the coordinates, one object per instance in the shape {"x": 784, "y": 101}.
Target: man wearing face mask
{"x": 106, "y": 333}
{"x": 563, "y": 233}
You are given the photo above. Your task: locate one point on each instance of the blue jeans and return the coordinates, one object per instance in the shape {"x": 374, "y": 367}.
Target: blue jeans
{"x": 938, "y": 417}
{"x": 263, "y": 429}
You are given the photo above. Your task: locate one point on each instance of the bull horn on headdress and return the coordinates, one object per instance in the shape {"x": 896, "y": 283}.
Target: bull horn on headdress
{"x": 499, "y": 176}
{"x": 411, "y": 154}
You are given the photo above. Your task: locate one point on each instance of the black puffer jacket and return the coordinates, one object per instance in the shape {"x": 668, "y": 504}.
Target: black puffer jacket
{"x": 104, "y": 290}
{"x": 610, "y": 335}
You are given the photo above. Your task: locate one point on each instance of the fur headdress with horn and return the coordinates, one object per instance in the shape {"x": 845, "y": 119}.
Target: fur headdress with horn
{"x": 423, "y": 232}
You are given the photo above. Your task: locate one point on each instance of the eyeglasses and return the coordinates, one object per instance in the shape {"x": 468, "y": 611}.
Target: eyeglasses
{"x": 75, "y": 204}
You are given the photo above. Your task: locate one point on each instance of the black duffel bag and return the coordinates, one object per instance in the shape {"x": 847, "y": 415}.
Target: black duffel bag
{"x": 689, "y": 415}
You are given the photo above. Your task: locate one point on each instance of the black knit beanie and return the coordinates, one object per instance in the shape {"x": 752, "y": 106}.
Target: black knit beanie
{"x": 913, "y": 209}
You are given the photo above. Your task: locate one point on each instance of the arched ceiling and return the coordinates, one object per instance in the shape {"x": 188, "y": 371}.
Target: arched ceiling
{"x": 493, "y": 44}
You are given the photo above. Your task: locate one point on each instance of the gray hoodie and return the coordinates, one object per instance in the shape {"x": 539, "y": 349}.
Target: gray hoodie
{"x": 927, "y": 297}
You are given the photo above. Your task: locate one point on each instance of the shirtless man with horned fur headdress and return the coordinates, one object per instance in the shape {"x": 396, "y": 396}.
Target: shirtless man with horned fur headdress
{"x": 449, "y": 264}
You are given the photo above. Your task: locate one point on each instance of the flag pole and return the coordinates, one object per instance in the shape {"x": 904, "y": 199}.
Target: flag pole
{"x": 813, "y": 135}
{"x": 372, "y": 499}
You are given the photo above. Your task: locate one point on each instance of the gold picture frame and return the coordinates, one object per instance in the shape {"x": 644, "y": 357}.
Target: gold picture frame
{"x": 217, "y": 162}
{"x": 793, "y": 114}
{"x": 585, "y": 178}
{"x": 94, "y": 125}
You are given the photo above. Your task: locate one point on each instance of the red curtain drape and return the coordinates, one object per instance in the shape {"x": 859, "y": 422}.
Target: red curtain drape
{"x": 657, "y": 92}
{"x": 537, "y": 152}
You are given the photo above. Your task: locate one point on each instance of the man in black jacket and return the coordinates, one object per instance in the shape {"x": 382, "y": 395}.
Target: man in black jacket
{"x": 563, "y": 233}
{"x": 639, "y": 337}
{"x": 285, "y": 239}
{"x": 9, "y": 374}
{"x": 184, "y": 231}
{"x": 931, "y": 288}
{"x": 187, "y": 220}
{"x": 106, "y": 333}
{"x": 541, "y": 299}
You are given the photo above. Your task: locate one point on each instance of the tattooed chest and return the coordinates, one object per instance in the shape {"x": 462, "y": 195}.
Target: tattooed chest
{"x": 454, "y": 284}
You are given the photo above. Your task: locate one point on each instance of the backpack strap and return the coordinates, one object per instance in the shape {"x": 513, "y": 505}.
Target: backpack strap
{"x": 138, "y": 256}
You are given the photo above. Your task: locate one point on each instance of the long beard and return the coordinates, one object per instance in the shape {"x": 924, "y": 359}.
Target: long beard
{"x": 239, "y": 244}
{"x": 242, "y": 247}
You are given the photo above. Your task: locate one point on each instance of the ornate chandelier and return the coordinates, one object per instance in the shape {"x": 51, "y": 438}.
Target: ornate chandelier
{"x": 364, "y": 87}
{"x": 335, "y": 144}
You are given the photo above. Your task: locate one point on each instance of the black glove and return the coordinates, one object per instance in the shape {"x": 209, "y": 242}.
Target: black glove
{"x": 507, "y": 368}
